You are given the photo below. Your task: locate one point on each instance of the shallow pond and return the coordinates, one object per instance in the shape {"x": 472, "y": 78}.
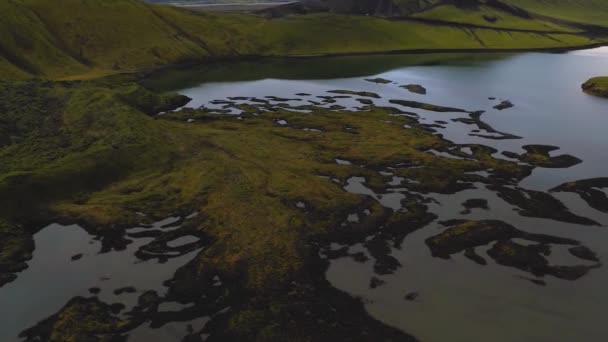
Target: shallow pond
{"x": 431, "y": 298}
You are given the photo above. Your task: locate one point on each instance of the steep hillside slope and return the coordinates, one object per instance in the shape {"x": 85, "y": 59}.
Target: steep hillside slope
{"x": 90, "y": 38}
{"x": 381, "y": 8}
{"x": 594, "y": 12}
{"x": 80, "y": 35}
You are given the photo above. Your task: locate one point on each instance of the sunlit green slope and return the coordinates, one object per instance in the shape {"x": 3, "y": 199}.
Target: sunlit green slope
{"x": 90, "y": 38}
{"x": 593, "y": 12}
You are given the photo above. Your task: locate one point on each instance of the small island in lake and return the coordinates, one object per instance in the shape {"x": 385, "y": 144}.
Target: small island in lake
{"x": 597, "y": 86}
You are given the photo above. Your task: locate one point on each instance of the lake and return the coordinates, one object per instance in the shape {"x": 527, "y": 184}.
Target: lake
{"x": 434, "y": 299}
{"x": 459, "y": 300}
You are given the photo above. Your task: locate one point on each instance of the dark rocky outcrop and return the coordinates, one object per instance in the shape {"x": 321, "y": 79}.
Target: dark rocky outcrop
{"x": 465, "y": 236}
{"x": 590, "y": 191}
{"x": 415, "y": 88}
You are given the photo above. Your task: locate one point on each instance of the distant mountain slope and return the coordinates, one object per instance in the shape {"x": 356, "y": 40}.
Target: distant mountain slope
{"x": 380, "y": 8}
{"x": 594, "y": 12}
{"x": 90, "y": 38}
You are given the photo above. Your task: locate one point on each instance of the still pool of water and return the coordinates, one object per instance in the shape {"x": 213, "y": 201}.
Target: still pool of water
{"x": 455, "y": 300}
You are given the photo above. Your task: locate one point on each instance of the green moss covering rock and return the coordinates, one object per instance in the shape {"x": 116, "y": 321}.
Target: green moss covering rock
{"x": 81, "y": 319}
{"x": 539, "y": 155}
{"x": 16, "y": 247}
{"x": 414, "y": 88}
{"x": 597, "y": 86}
{"x": 465, "y": 236}
{"x": 591, "y": 191}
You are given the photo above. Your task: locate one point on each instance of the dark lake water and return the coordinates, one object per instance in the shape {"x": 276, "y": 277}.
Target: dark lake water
{"x": 457, "y": 299}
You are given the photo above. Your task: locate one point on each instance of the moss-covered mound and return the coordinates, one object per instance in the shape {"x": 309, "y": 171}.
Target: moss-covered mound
{"x": 597, "y": 86}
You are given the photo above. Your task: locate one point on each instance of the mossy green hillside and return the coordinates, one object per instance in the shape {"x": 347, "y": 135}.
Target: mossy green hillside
{"x": 86, "y": 39}
{"x": 490, "y": 17}
{"x": 592, "y": 12}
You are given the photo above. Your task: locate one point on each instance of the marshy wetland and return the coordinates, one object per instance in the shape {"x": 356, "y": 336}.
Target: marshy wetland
{"x": 423, "y": 197}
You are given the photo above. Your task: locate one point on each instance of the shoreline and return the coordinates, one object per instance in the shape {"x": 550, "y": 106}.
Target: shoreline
{"x": 448, "y": 51}
{"x": 146, "y": 72}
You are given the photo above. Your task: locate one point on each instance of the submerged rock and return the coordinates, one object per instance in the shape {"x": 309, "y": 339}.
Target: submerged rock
{"x": 474, "y": 203}
{"x": 475, "y": 119}
{"x": 94, "y": 290}
{"x": 539, "y": 204}
{"x": 126, "y": 289}
{"x": 375, "y": 282}
{"x": 415, "y": 88}
{"x": 358, "y": 93}
{"x": 378, "y": 80}
{"x": 465, "y": 235}
{"x": 472, "y": 255}
{"x": 412, "y": 296}
{"x": 504, "y": 105}
{"x": 427, "y": 106}
{"x": 590, "y": 190}
{"x": 584, "y": 253}
{"x": 365, "y": 101}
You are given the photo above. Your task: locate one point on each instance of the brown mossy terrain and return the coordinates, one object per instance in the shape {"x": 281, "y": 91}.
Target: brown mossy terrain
{"x": 590, "y": 190}
{"x": 16, "y": 247}
{"x": 82, "y": 319}
{"x": 271, "y": 186}
{"x": 467, "y": 235}
{"x": 539, "y": 204}
{"x": 597, "y": 86}
{"x": 271, "y": 189}
{"x": 415, "y": 88}
{"x": 539, "y": 156}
